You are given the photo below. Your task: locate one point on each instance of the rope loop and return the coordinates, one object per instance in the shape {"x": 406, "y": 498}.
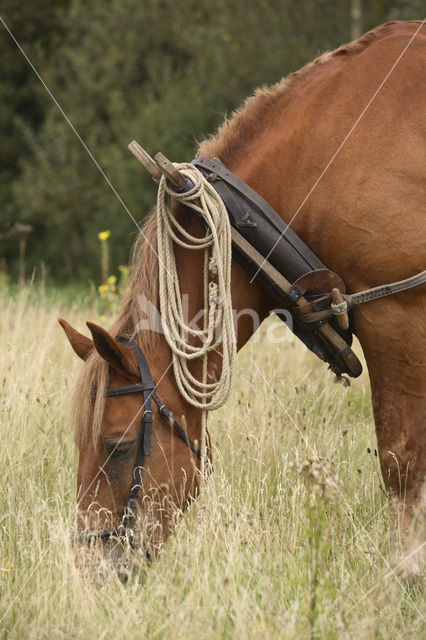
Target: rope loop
{"x": 218, "y": 317}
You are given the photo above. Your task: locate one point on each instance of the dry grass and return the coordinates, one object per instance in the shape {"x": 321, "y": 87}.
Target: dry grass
{"x": 274, "y": 549}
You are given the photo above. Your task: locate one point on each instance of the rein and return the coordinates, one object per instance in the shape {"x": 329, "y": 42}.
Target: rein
{"x": 147, "y": 387}
{"x": 323, "y": 307}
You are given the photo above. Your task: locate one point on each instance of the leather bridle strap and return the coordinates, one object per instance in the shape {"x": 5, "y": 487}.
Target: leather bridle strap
{"x": 146, "y": 386}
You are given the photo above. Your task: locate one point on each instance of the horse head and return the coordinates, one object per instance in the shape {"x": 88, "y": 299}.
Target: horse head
{"x": 137, "y": 465}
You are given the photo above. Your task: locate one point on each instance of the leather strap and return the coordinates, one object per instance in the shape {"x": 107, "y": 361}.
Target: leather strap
{"x": 147, "y": 386}
{"x": 387, "y": 289}
{"x": 130, "y": 388}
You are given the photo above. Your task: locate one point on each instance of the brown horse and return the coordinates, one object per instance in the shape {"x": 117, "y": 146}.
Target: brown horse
{"x": 363, "y": 217}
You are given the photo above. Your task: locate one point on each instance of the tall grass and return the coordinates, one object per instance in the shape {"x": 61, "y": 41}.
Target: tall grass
{"x": 278, "y": 546}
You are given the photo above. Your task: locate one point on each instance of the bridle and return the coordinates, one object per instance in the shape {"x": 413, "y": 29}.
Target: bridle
{"x": 147, "y": 387}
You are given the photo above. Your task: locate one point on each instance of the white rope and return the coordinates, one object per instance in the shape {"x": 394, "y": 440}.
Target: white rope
{"x": 187, "y": 343}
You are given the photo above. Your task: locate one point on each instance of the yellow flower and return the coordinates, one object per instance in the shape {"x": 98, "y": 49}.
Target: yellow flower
{"x": 5, "y": 566}
{"x": 103, "y": 288}
{"x": 122, "y": 268}
{"x": 112, "y": 280}
{"x": 104, "y": 235}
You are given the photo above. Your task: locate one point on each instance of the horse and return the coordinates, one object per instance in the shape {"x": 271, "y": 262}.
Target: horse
{"x": 338, "y": 149}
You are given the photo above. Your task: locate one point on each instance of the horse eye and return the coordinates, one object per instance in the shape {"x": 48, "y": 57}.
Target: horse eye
{"x": 115, "y": 449}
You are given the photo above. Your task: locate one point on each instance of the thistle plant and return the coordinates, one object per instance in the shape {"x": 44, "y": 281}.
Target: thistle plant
{"x": 319, "y": 487}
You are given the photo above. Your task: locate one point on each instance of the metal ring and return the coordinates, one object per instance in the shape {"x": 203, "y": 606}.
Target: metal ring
{"x": 340, "y": 308}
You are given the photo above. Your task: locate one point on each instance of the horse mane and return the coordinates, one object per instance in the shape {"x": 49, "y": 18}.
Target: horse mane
{"x": 256, "y": 108}
{"x": 144, "y": 260}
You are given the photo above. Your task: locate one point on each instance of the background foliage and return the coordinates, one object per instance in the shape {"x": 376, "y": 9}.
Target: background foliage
{"x": 159, "y": 71}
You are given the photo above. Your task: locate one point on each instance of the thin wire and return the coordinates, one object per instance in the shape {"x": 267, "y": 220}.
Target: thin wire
{"x": 345, "y": 139}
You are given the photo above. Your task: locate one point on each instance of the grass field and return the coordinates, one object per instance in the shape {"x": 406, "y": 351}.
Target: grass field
{"x": 276, "y": 547}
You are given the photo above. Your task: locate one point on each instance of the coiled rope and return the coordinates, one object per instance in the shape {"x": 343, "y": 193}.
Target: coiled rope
{"x": 187, "y": 343}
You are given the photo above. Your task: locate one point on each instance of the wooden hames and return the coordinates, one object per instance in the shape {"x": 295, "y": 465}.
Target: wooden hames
{"x": 160, "y": 165}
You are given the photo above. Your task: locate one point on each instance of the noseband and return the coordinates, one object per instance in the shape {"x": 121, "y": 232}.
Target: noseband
{"x": 147, "y": 387}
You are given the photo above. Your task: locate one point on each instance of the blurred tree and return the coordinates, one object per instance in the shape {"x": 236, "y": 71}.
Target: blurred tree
{"x": 24, "y": 102}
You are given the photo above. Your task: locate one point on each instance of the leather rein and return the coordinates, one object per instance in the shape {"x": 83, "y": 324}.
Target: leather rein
{"x": 147, "y": 387}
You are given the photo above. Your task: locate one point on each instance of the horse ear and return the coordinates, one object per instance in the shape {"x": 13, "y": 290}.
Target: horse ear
{"x": 112, "y": 351}
{"x": 81, "y": 345}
